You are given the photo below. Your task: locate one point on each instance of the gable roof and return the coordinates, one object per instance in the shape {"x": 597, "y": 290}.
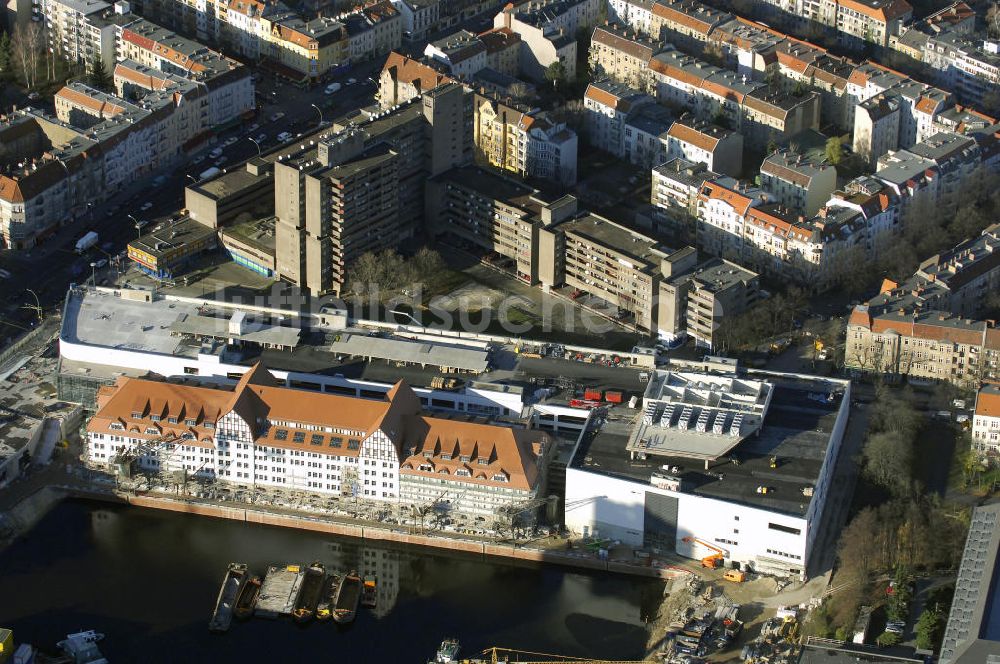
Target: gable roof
{"x": 505, "y": 450}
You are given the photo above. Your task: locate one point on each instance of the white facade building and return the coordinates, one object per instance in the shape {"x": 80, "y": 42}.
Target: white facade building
{"x": 263, "y": 434}
{"x": 758, "y": 495}
{"x": 986, "y": 421}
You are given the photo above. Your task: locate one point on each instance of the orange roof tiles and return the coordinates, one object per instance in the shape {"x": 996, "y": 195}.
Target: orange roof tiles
{"x": 737, "y": 201}
{"x": 105, "y": 109}
{"x": 408, "y": 70}
{"x": 988, "y": 401}
{"x": 888, "y": 11}
{"x": 481, "y": 450}
{"x": 191, "y": 414}
{"x": 602, "y": 96}
{"x": 689, "y": 134}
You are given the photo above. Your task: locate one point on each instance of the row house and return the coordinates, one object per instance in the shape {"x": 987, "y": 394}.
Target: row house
{"x": 721, "y": 150}
{"x": 858, "y": 23}
{"x": 646, "y": 130}
{"x": 404, "y": 78}
{"x": 547, "y": 29}
{"x": 966, "y": 274}
{"x": 929, "y": 174}
{"x": 462, "y": 53}
{"x": 260, "y": 434}
{"x": 722, "y": 212}
{"x": 918, "y": 103}
{"x": 420, "y": 17}
{"x": 373, "y": 29}
{"x": 747, "y": 106}
{"x": 503, "y": 50}
{"x": 227, "y": 85}
{"x": 878, "y": 208}
{"x": 986, "y": 420}
{"x": 54, "y": 174}
{"x": 622, "y": 55}
{"x": 636, "y": 14}
{"x": 675, "y": 190}
{"x": 686, "y": 23}
{"x": 895, "y": 336}
{"x": 801, "y": 183}
{"x": 524, "y": 141}
{"x": 608, "y": 105}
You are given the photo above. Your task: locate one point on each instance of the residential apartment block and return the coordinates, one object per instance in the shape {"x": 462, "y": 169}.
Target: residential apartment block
{"x": 547, "y": 29}
{"x": 404, "y": 78}
{"x": 549, "y": 242}
{"x": 55, "y": 168}
{"x": 361, "y": 188}
{"x": 803, "y": 184}
{"x": 697, "y": 141}
{"x": 524, "y": 141}
{"x": 986, "y": 420}
{"x": 493, "y": 213}
{"x": 623, "y": 56}
{"x": 608, "y": 105}
{"x": 749, "y": 107}
{"x": 927, "y": 327}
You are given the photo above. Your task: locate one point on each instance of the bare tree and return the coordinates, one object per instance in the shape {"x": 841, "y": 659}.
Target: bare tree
{"x": 27, "y": 46}
{"x": 993, "y": 20}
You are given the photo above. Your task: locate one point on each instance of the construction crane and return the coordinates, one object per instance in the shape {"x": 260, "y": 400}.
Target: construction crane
{"x": 503, "y": 656}
{"x": 506, "y": 516}
{"x": 713, "y": 561}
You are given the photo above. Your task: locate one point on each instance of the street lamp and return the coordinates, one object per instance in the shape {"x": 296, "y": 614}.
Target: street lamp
{"x": 254, "y": 140}
{"x": 38, "y": 304}
{"x": 403, "y": 313}
{"x": 138, "y": 226}
{"x": 193, "y": 178}
{"x": 320, "y": 111}
{"x": 93, "y": 274}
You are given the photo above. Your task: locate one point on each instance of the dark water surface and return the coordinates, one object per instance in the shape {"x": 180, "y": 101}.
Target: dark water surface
{"x": 149, "y": 580}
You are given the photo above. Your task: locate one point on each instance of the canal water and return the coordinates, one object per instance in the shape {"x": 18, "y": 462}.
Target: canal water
{"x": 149, "y": 580}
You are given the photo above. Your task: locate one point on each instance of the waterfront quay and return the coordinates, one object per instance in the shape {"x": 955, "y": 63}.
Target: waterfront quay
{"x": 542, "y": 550}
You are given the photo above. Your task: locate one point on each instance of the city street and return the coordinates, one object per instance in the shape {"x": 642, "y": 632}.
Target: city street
{"x": 51, "y": 267}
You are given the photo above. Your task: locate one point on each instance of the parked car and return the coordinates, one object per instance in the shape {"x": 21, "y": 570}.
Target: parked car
{"x": 284, "y": 136}
{"x": 261, "y": 138}
{"x": 146, "y": 206}
{"x": 98, "y": 264}
{"x": 352, "y": 81}
{"x": 220, "y": 161}
{"x": 215, "y": 154}
{"x": 197, "y": 160}
{"x": 231, "y": 141}
{"x": 277, "y": 116}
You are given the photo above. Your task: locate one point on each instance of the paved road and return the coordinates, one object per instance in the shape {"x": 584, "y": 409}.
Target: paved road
{"x": 48, "y": 269}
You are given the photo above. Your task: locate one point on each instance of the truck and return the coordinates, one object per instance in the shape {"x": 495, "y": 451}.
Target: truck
{"x": 86, "y": 242}
{"x": 209, "y": 173}
{"x": 614, "y": 396}
{"x": 591, "y": 394}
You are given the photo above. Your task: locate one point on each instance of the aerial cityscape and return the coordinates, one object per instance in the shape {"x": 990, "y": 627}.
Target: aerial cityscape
{"x": 441, "y": 331}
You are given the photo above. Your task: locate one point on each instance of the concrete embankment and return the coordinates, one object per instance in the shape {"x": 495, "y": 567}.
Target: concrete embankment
{"x": 527, "y": 555}
{"x": 30, "y": 509}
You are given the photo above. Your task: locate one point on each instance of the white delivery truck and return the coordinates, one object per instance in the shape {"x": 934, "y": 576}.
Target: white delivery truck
{"x": 86, "y": 242}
